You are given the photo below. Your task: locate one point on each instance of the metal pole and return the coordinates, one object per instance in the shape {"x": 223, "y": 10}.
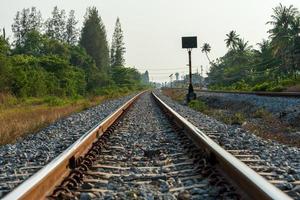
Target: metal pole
{"x": 190, "y": 66}
{"x": 191, "y": 95}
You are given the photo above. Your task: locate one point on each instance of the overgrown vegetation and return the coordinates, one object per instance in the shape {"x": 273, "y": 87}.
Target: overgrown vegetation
{"x": 52, "y": 69}
{"x": 22, "y": 116}
{"x": 274, "y": 66}
{"x": 50, "y": 58}
{"x": 197, "y": 105}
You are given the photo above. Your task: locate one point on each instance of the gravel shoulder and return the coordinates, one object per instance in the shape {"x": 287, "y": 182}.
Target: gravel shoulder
{"x": 286, "y": 109}
{"x": 146, "y": 158}
{"x": 285, "y": 160}
{"x": 20, "y": 160}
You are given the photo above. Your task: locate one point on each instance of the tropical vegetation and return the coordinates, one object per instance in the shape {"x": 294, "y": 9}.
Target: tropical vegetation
{"x": 274, "y": 65}
{"x": 53, "y": 57}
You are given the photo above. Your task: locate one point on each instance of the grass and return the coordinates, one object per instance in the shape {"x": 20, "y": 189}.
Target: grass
{"x": 177, "y": 95}
{"x": 20, "y": 117}
{"x": 197, "y": 105}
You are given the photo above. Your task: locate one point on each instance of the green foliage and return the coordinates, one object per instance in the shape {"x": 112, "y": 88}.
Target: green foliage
{"x": 93, "y": 39}
{"x": 260, "y": 113}
{"x": 128, "y": 77}
{"x": 5, "y": 73}
{"x": 28, "y": 20}
{"x": 261, "y": 87}
{"x": 197, "y": 105}
{"x": 238, "y": 118}
{"x": 51, "y": 65}
{"x": 54, "y": 101}
{"x": 265, "y": 68}
{"x": 117, "y": 47}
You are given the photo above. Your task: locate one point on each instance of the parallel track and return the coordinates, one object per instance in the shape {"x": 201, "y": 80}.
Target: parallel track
{"x": 270, "y": 94}
{"x": 171, "y": 157}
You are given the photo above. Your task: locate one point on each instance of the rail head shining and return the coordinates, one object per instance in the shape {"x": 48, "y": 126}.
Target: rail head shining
{"x": 254, "y": 185}
{"x": 42, "y": 182}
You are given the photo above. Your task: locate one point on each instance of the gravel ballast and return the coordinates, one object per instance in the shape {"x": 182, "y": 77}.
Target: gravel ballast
{"x": 146, "y": 158}
{"x": 286, "y": 109}
{"x": 20, "y": 160}
{"x": 284, "y": 160}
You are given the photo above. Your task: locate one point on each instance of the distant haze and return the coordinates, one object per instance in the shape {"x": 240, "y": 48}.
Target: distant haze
{"x": 153, "y": 28}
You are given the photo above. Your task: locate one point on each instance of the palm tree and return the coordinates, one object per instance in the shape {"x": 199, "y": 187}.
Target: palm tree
{"x": 206, "y": 49}
{"x": 242, "y": 45}
{"x": 232, "y": 39}
{"x": 284, "y": 33}
{"x": 284, "y": 21}
{"x": 263, "y": 46}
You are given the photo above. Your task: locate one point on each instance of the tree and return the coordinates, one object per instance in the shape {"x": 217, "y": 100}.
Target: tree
{"x": 206, "y": 49}
{"x": 71, "y": 34}
{"x": 93, "y": 39}
{"x": 117, "y": 47}
{"x": 26, "y": 21}
{"x": 56, "y": 25}
{"x": 5, "y": 67}
{"x": 126, "y": 77}
{"x": 284, "y": 33}
{"x": 145, "y": 77}
{"x": 242, "y": 45}
{"x": 232, "y": 39}
{"x": 177, "y": 76}
{"x": 4, "y": 44}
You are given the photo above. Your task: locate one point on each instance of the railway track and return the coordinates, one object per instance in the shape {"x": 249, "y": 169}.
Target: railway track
{"x": 138, "y": 152}
{"x": 258, "y": 93}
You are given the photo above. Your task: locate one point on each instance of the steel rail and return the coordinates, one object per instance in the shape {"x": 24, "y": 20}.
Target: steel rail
{"x": 254, "y": 185}
{"x": 270, "y": 94}
{"x": 44, "y": 181}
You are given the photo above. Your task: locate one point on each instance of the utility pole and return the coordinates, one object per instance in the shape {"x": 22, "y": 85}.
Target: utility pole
{"x": 201, "y": 70}
{"x": 171, "y": 79}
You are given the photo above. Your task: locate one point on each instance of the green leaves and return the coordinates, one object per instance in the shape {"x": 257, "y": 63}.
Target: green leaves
{"x": 264, "y": 68}
{"x": 117, "y": 47}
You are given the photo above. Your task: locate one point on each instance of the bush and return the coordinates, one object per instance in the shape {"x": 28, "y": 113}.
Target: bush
{"x": 261, "y": 87}
{"x": 278, "y": 88}
{"x": 54, "y": 101}
{"x": 197, "y": 105}
{"x": 7, "y": 99}
{"x": 238, "y": 118}
{"x": 260, "y": 113}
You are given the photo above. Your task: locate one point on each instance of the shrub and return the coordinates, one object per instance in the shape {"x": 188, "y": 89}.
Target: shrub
{"x": 197, "y": 105}
{"x": 7, "y": 99}
{"x": 238, "y": 118}
{"x": 278, "y": 88}
{"x": 260, "y": 113}
{"x": 54, "y": 101}
{"x": 261, "y": 87}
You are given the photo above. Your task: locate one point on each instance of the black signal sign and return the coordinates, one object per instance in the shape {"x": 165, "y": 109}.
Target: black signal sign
{"x": 189, "y": 42}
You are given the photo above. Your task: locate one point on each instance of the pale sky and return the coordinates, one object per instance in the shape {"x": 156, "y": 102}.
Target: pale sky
{"x": 153, "y": 28}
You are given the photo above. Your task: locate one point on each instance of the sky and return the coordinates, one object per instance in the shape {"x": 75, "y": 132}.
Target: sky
{"x": 153, "y": 28}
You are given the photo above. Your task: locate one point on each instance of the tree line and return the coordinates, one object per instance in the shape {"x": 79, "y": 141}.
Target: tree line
{"x": 273, "y": 66}
{"x": 54, "y": 57}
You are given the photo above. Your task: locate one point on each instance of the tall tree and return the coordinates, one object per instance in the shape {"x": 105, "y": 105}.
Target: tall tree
{"x": 145, "y": 77}
{"x": 117, "y": 47}
{"x": 93, "y": 39}
{"x": 242, "y": 45}
{"x": 232, "y": 39}
{"x": 71, "y": 34}
{"x": 284, "y": 34}
{"x": 206, "y": 49}
{"x": 55, "y": 26}
{"x": 26, "y": 21}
